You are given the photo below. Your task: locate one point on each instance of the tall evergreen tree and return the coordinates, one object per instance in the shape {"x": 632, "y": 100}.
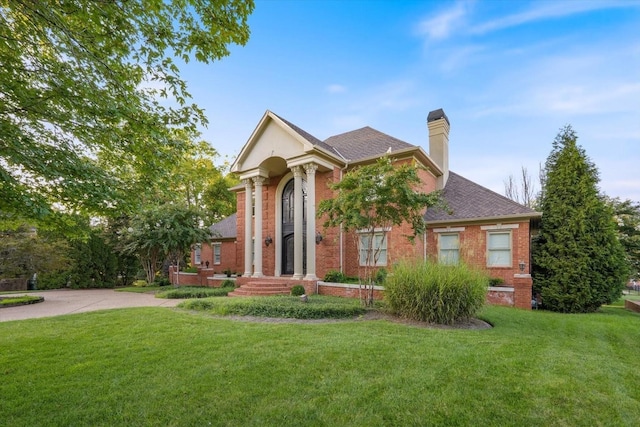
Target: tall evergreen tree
{"x": 578, "y": 261}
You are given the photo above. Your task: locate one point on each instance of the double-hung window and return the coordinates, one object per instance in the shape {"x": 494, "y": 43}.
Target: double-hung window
{"x": 372, "y": 249}
{"x": 449, "y": 248}
{"x": 197, "y": 252}
{"x": 217, "y": 253}
{"x": 499, "y": 248}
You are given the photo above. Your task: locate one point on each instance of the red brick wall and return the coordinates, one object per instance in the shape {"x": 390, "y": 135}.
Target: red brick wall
{"x": 473, "y": 248}
{"x": 522, "y": 285}
{"x": 228, "y": 257}
{"x": 328, "y": 251}
{"x": 347, "y": 291}
{"x": 502, "y": 297}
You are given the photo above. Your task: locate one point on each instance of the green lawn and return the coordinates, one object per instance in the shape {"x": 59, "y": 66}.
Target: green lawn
{"x": 172, "y": 367}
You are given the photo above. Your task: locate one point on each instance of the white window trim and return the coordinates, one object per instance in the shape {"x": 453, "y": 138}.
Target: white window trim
{"x": 217, "y": 245}
{"x": 501, "y": 231}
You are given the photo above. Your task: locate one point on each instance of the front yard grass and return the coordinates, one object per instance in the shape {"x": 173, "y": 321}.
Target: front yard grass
{"x": 164, "y": 367}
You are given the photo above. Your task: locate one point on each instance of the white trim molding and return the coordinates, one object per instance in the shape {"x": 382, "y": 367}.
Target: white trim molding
{"x": 499, "y": 227}
{"x": 449, "y": 230}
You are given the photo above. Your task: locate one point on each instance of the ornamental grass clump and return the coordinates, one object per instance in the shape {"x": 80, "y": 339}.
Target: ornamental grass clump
{"x": 435, "y": 293}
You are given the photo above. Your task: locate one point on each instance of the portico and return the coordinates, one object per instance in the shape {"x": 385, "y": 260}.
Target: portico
{"x": 298, "y": 217}
{"x": 278, "y": 170}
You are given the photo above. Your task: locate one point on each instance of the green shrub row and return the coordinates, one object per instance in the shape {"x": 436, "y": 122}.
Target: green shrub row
{"x": 317, "y": 307}
{"x": 336, "y": 276}
{"x": 20, "y": 300}
{"x": 435, "y": 293}
{"x": 195, "y": 292}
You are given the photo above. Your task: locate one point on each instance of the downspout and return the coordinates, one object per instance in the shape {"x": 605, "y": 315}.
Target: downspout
{"x": 424, "y": 245}
{"x": 341, "y": 230}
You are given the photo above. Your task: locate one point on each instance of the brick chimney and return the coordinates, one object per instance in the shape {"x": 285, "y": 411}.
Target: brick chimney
{"x": 438, "y": 124}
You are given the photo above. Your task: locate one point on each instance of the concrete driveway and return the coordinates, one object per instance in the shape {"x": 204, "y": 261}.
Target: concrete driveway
{"x": 66, "y": 301}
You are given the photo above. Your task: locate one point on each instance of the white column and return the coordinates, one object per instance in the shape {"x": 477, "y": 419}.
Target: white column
{"x": 310, "y": 169}
{"x": 297, "y": 222}
{"x": 248, "y": 235}
{"x": 257, "y": 263}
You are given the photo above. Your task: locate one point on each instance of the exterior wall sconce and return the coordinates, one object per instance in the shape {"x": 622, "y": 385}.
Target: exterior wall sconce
{"x": 521, "y": 265}
{"x": 268, "y": 240}
{"x": 206, "y": 263}
{"x": 318, "y": 238}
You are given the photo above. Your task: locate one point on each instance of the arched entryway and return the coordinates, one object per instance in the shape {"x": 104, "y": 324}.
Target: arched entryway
{"x": 287, "y": 227}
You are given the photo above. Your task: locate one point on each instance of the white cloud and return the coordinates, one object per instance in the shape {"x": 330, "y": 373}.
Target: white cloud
{"x": 440, "y": 27}
{"x": 336, "y": 88}
{"x": 548, "y": 10}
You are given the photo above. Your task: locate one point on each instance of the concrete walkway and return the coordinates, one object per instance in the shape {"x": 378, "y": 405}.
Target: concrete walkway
{"x": 66, "y": 301}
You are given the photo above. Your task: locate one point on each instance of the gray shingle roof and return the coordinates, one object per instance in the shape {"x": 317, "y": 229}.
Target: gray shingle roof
{"x": 467, "y": 201}
{"x": 365, "y": 142}
{"x": 225, "y": 229}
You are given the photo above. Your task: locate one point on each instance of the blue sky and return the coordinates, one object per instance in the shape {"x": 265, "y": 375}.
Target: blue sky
{"x": 509, "y": 75}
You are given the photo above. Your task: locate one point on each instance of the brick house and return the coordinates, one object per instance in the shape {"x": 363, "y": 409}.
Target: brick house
{"x": 285, "y": 172}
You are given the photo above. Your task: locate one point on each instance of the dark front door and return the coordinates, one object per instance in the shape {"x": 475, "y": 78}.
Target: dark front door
{"x": 287, "y": 227}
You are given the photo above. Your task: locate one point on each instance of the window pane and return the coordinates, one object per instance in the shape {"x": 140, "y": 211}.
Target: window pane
{"x": 378, "y": 243}
{"x": 449, "y": 241}
{"x": 196, "y": 254}
{"x": 499, "y": 240}
{"x": 449, "y": 248}
{"x": 500, "y": 258}
{"x": 216, "y": 254}
{"x": 382, "y": 257}
{"x": 449, "y": 257}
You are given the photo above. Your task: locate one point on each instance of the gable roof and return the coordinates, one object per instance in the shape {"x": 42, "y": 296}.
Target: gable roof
{"x": 307, "y": 136}
{"x": 467, "y": 200}
{"x": 365, "y": 142}
{"x": 225, "y": 229}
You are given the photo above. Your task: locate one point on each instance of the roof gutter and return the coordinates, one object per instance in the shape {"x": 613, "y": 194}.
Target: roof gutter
{"x": 485, "y": 219}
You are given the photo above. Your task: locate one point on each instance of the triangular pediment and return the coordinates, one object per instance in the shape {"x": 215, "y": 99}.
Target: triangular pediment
{"x": 272, "y": 138}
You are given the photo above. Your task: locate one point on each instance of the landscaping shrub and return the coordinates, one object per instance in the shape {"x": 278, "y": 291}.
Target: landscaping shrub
{"x": 228, "y": 284}
{"x": 435, "y": 293}
{"x": 194, "y": 292}
{"x": 161, "y": 281}
{"x": 297, "y": 290}
{"x": 380, "y": 277}
{"x": 335, "y": 276}
{"x": 52, "y": 280}
{"x": 317, "y": 307}
{"x": 496, "y": 281}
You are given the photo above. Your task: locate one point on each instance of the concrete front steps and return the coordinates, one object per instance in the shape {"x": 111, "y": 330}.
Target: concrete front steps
{"x": 267, "y": 287}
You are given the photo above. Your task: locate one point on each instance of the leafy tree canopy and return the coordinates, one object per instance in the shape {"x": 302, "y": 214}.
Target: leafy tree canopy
{"x": 158, "y": 232}
{"x": 578, "y": 262}
{"x": 89, "y": 87}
